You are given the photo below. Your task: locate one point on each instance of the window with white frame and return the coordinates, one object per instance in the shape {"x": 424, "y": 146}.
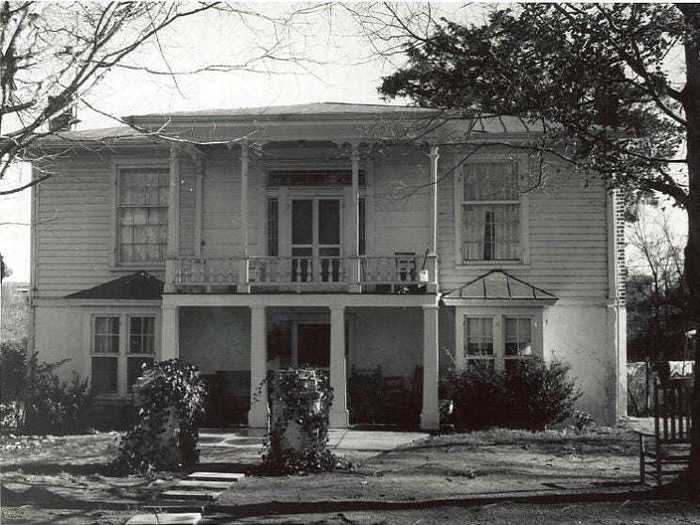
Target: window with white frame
{"x": 121, "y": 345}
{"x": 142, "y": 215}
{"x": 517, "y": 337}
{"x": 105, "y": 354}
{"x": 497, "y": 342}
{"x": 478, "y": 341}
{"x": 490, "y": 212}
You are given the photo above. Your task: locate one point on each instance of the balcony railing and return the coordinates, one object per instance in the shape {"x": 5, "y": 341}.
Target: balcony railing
{"x": 383, "y": 274}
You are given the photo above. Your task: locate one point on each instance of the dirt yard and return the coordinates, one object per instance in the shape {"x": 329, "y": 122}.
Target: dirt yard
{"x": 67, "y": 480}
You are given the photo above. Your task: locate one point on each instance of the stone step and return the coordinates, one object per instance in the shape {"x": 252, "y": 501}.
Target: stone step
{"x": 203, "y": 484}
{"x": 190, "y": 494}
{"x": 165, "y": 518}
{"x": 217, "y": 476}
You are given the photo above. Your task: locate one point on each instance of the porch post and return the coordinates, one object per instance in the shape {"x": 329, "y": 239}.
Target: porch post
{"x": 173, "y": 220}
{"x": 257, "y": 416}
{"x": 433, "y": 278}
{"x": 169, "y": 333}
{"x": 355, "y": 276}
{"x": 430, "y": 415}
{"x": 339, "y": 417}
{"x": 244, "y": 278}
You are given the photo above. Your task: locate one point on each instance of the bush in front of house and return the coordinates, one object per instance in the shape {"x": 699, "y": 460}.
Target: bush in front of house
{"x": 33, "y": 399}
{"x": 531, "y": 395}
{"x": 170, "y": 398}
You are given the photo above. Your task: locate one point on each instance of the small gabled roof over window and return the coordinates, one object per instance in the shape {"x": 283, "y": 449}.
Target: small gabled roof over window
{"x": 498, "y": 285}
{"x": 140, "y": 286}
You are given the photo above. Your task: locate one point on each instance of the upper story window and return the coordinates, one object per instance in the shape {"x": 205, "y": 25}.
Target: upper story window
{"x": 490, "y": 212}
{"x": 142, "y": 215}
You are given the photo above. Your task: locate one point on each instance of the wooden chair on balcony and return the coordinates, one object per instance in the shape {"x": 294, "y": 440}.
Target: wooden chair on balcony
{"x": 665, "y": 451}
{"x": 405, "y": 271}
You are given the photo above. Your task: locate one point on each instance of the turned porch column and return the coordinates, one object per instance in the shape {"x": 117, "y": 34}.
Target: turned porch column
{"x": 244, "y": 278}
{"x": 355, "y": 275}
{"x": 259, "y": 411}
{"x": 170, "y": 333}
{"x": 430, "y": 414}
{"x": 433, "y": 268}
{"x": 173, "y": 220}
{"x": 339, "y": 417}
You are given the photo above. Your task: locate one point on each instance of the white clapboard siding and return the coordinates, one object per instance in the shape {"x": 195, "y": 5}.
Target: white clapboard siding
{"x": 567, "y": 239}
{"x": 188, "y": 182}
{"x": 401, "y": 203}
{"x": 567, "y": 219}
{"x": 73, "y": 230}
{"x": 74, "y": 225}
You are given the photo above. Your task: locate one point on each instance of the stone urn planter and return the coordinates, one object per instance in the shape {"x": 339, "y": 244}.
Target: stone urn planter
{"x": 295, "y": 394}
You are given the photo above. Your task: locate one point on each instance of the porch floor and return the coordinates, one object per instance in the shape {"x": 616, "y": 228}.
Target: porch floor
{"x": 244, "y": 445}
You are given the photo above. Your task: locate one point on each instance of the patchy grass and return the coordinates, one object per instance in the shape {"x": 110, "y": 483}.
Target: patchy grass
{"x": 68, "y": 480}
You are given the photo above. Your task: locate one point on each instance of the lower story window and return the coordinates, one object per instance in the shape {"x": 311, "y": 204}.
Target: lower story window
{"x": 518, "y": 341}
{"x": 105, "y": 358}
{"x": 497, "y": 342}
{"x": 121, "y": 345}
{"x": 478, "y": 339}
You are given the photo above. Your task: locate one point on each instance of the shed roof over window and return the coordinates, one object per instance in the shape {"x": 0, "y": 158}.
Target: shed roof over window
{"x": 140, "y": 286}
{"x": 498, "y": 285}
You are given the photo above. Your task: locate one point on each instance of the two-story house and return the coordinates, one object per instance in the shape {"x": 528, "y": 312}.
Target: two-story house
{"x": 334, "y": 235}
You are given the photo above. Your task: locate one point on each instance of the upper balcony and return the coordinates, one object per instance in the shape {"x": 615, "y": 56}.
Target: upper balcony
{"x": 295, "y": 230}
{"x": 402, "y": 273}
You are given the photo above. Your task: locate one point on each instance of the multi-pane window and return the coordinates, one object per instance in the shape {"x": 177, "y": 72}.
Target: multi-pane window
{"x": 499, "y": 342}
{"x": 142, "y": 215}
{"x": 142, "y": 344}
{"x": 517, "y": 337}
{"x": 490, "y": 212}
{"x": 121, "y": 345}
{"x": 478, "y": 341}
{"x": 105, "y": 358}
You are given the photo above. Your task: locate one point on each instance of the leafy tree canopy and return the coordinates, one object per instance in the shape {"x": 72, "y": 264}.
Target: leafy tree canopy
{"x": 595, "y": 77}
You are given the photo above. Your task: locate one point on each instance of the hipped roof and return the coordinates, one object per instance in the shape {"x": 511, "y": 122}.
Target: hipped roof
{"x": 140, "y": 286}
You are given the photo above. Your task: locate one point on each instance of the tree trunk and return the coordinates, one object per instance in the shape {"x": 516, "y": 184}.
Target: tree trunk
{"x": 691, "y": 105}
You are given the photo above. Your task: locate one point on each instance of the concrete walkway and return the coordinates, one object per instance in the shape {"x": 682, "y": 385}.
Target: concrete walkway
{"x": 244, "y": 445}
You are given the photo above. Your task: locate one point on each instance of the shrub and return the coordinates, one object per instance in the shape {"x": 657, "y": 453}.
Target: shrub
{"x": 297, "y": 441}
{"x": 171, "y": 399}
{"x": 33, "y": 398}
{"x": 531, "y": 396}
{"x": 539, "y": 394}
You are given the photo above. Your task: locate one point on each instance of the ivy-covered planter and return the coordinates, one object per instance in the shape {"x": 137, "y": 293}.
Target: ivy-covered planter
{"x": 300, "y": 401}
{"x": 170, "y": 401}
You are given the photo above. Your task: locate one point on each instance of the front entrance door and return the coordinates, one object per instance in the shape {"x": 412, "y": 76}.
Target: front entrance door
{"x": 313, "y": 344}
{"x": 316, "y": 240}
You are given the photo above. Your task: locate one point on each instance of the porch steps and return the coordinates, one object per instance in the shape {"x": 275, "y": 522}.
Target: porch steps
{"x": 203, "y": 486}
{"x": 190, "y": 494}
{"x": 231, "y": 477}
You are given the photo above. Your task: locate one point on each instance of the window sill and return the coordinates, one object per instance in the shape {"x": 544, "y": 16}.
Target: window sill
{"x": 491, "y": 265}
{"x": 137, "y": 268}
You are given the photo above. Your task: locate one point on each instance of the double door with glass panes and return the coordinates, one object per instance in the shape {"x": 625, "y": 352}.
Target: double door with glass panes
{"x": 316, "y": 240}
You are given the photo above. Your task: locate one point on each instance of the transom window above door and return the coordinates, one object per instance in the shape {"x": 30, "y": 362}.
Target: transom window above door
{"x": 332, "y": 177}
